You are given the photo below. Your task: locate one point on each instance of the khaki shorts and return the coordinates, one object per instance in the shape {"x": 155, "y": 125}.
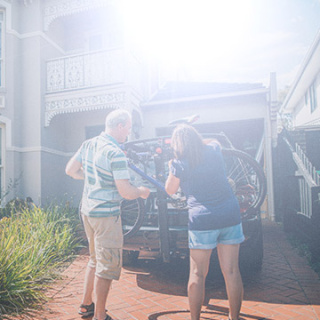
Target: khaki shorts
{"x": 105, "y": 245}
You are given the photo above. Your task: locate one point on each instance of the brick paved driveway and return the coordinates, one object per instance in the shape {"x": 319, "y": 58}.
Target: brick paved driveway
{"x": 285, "y": 289}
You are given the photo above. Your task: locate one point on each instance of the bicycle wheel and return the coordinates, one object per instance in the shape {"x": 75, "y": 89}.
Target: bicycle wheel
{"x": 246, "y": 178}
{"x": 132, "y": 214}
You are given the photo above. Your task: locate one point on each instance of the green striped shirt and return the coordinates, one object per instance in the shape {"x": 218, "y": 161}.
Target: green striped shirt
{"x": 103, "y": 162}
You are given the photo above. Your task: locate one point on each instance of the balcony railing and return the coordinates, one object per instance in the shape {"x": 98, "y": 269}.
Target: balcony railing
{"x": 109, "y": 67}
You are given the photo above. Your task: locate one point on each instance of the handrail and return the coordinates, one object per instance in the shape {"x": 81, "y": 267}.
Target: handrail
{"x": 308, "y": 165}
{"x": 305, "y": 167}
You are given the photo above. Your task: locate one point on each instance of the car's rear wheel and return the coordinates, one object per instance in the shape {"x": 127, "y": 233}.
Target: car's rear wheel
{"x": 129, "y": 257}
{"x": 251, "y": 251}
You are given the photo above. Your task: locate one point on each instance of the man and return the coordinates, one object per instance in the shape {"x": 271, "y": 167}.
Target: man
{"x": 103, "y": 166}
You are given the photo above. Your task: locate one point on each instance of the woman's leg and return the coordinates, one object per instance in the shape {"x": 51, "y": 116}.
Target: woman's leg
{"x": 229, "y": 262}
{"x": 199, "y": 266}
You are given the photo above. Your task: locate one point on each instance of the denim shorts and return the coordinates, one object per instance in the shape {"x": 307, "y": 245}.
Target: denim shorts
{"x": 209, "y": 239}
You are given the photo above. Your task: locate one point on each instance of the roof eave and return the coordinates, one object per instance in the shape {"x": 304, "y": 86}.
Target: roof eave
{"x": 288, "y": 105}
{"x": 207, "y": 97}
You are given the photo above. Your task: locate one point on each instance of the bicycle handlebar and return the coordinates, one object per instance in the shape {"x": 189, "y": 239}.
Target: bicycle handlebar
{"x": 155, "y": 182}
{"x": 186, "y": 120}
{"x": 143, "y": 151}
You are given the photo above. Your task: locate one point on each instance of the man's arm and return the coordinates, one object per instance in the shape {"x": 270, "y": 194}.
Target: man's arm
{"x": 130, "y": 192}
{"x": 74, "y": 169}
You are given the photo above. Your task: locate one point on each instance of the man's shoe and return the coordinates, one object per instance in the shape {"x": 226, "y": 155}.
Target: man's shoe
{"x": 106, "y": 318}
{"x": 89, "y": 310}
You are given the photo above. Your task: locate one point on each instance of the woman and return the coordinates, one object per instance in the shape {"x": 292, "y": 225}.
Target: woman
{"x": 214, "y": 215}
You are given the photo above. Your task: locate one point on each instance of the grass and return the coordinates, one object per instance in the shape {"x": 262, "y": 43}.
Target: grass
{"x": 34, "y": 243}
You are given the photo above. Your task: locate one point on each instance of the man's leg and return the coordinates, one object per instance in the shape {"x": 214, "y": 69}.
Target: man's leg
{"x": 108, "y": 244}
{"x": 101, "y": 289}
{"x": 88, "y": 285}
{"x": 199, "y": 266}
{"x": 87, "y": 298}
{"x": 229, "y": 263}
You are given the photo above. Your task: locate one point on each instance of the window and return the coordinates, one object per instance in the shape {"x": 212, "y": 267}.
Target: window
{"x": 2, "y": 27}
{"x": 93, "y": 131}
{"x": 306, "y": 98}
{"x": 313, "y": 97}
{"x": 95, "y": 42}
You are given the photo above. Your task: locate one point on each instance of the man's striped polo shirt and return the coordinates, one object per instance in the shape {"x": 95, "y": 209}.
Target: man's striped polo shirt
{"x": 103, "y": 162}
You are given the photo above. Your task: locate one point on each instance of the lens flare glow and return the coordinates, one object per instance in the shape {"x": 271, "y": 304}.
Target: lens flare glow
{"x": 187, "y": 31}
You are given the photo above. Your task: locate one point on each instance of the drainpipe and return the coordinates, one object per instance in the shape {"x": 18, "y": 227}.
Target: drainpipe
{"x": 271, "y": 130}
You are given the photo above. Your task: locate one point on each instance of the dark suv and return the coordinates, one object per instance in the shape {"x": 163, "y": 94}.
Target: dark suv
{"x": 157, "y": 227}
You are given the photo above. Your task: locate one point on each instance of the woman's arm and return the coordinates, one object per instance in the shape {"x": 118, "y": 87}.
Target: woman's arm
{"x": 172, "y": 183}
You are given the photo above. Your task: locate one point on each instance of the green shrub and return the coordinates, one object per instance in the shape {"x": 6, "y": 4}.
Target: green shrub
{"x": 14, "y": 206}
{"x": 33, "y": 244}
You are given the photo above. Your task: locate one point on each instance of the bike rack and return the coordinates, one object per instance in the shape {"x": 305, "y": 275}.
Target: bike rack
{"x": 162, "y": 204}
{"x": 163, "y": 196}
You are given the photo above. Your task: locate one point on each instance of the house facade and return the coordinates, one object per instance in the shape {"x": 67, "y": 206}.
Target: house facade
{"x": 302, "y": 105}
{"x": 298, "y": 182}
{"x": 65, "y": 64}
{"x": 300, "y": 110}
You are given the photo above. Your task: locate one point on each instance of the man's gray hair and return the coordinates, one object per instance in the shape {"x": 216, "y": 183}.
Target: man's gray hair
{"x": 117, "y": 116}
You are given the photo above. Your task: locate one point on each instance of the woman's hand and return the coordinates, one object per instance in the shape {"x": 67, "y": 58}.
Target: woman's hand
{"x": 210, "y": 141}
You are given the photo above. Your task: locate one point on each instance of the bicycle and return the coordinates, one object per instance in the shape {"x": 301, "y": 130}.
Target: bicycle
{"x": 148, "y": 160}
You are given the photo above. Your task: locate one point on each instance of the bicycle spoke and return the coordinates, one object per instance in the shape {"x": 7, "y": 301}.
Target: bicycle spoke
{"x": 132, "y": 214}
{"x": 247, "y": 178}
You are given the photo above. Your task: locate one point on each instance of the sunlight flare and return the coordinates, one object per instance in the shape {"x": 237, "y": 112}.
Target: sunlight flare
{"x": 187, "y": 31}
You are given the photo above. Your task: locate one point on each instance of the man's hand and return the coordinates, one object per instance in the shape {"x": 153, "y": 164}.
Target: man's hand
{"x": 130, "y": 192}
{"x": 145, "y": 192}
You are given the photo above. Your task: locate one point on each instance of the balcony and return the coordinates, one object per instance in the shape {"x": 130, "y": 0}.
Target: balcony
{"x": 89, "y": 81}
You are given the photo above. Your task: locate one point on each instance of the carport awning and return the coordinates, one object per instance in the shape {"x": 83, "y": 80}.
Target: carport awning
{"x": 312, "y": 125}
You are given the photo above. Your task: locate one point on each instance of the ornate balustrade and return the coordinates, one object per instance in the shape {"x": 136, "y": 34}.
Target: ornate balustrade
{"x": 54, "y": 9}
{"x": 90, "y": 81}
{"x": 86, "y": 70}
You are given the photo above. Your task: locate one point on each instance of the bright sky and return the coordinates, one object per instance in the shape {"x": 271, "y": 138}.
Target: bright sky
{"x": 225, "y": 40}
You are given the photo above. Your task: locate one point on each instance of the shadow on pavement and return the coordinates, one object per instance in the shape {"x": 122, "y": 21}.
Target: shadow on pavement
{"x": 285, "y": 277}
{"x": 172, "y": 278}
{"x": 214, "y": 311}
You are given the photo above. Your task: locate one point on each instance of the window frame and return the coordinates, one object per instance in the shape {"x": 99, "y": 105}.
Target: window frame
{"x": 2, "y": 162}
{"x": 2, "y": 47}
{"x": 313, "y": 97}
